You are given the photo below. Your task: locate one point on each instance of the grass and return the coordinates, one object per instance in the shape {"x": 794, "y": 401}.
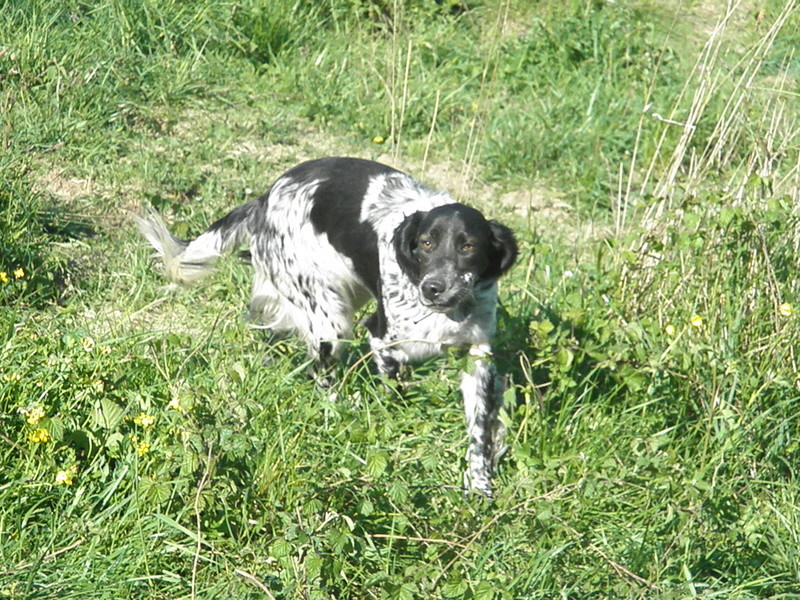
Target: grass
{"x": 649, "y": 330}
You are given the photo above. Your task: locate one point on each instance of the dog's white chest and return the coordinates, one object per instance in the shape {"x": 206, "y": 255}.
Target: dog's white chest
{"x": 420, "y": 332}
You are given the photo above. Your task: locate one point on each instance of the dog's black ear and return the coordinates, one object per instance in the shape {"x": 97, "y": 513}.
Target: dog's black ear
{"x": 502, "y": 252}
{"x": 405, "y": 245}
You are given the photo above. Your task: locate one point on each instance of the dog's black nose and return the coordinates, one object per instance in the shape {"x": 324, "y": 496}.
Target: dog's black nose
{"x": 432, "y": 288}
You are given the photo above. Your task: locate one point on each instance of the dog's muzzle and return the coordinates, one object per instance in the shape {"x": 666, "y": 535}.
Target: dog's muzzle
{"x": 438, "y": 293}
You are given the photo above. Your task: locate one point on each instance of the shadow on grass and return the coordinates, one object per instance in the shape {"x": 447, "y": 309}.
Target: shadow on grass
{"x": 41, "y": 273}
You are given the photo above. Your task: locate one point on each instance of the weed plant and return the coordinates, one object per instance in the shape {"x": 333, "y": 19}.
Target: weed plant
{"x": 146, "y": 450}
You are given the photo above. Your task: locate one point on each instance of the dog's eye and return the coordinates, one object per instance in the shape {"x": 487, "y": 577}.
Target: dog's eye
{"x": 468, "y": 247}
{"x": 426, "y": 244}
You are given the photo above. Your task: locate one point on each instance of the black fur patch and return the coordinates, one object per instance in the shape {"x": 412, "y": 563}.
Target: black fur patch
{"x": 405, "y": 245}
{"x": 503, "y": 252}
{"x": 337, "y": 209}
{"x": 229, "y": 224}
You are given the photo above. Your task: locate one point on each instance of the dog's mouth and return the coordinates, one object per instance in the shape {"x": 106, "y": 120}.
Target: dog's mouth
{"x": 441, "y": 307}
{"x": 457, "y": 299}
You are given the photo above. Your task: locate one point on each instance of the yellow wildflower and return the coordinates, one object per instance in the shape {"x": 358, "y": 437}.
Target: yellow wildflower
{"x": 785, "y": 309}
{"x": 19, "y": 273}
{"x": 670, "y": 330}
{"x": 35, "y": 415}
{"x": 697, "y": 321}
{"x": 39, "y": 436}
{"x": 88, "y": 344}
{"x": 144, "y": 420}
{"x": 64, "y": 477}
{"x": 3, "y": 277}
{"x": 378, "y": 139}
{"x": 175, "y": 404}
{"x": 142, "y": 448}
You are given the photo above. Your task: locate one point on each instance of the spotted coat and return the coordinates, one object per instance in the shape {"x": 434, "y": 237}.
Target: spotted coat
{"x": 329, "y": 235}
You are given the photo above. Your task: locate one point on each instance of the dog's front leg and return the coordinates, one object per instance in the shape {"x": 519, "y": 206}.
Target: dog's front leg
{"x": 385, "y": 353}
{"x": 388, "y": 360}
{"x": 483, "y": 397}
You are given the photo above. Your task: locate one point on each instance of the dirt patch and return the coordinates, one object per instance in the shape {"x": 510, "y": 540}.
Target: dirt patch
{"x": 537, "y": 207}
{"x": 305, "y": 142}
{"x": 707, "y": 18}
{"x": 532, "y": 201}
{"x": 56, "y": 183}
{"x": 249, "y": 142}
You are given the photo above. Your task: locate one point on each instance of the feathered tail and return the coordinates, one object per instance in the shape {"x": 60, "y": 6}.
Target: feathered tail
{"x": 186, "y": 262}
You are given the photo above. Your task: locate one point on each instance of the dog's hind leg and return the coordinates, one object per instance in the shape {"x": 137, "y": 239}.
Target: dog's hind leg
{"x": 317, "y": 312}
{"x": 329, "y": 330}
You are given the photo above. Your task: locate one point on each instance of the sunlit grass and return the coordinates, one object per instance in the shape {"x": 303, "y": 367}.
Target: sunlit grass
{"x": 147, "y": 452}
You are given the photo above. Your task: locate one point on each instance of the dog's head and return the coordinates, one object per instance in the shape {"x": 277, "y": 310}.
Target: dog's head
{"x": 450, "y": 250}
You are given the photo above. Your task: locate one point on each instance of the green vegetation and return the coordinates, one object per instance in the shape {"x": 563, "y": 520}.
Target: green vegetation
{"x": 647, "y": 159}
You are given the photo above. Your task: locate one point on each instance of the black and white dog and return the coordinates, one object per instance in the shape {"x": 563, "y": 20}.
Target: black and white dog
{"x": 332, "y": 232}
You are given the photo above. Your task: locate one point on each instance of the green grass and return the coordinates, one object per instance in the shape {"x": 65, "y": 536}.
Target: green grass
{"x": 649, "y": 330}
